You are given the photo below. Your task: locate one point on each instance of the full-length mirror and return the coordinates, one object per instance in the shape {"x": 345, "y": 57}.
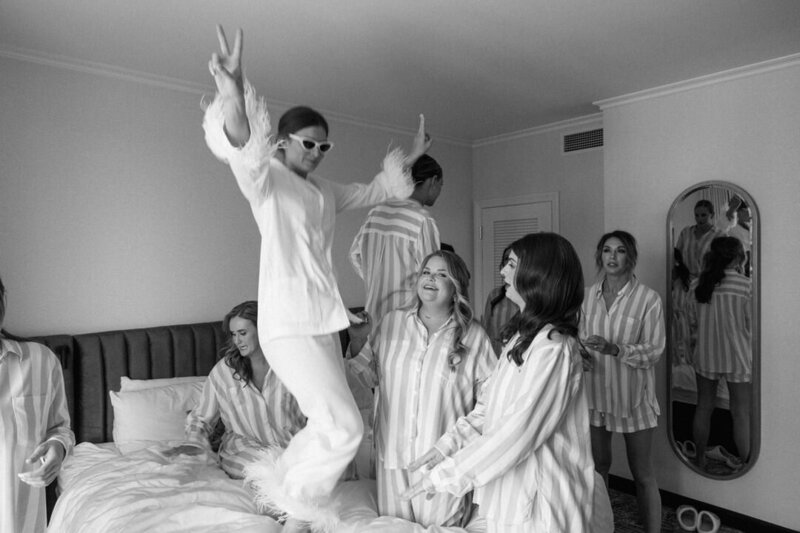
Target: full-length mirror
{"x": 713, "y": 324}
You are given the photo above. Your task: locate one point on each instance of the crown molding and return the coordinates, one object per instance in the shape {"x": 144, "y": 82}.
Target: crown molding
{"x": 184, "y": 86}
{"x": 702, "y": 81}
{"x": 595, "y": 119}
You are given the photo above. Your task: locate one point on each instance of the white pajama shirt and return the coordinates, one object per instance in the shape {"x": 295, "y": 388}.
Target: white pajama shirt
{"x": 33, "y": 409}
{"x": 388, "y": 251}
{"x": 300, "y": 308}
{"x": 525, "y": 448}
{"x": 419, "y": 398}
{"x": 254, "y": 419}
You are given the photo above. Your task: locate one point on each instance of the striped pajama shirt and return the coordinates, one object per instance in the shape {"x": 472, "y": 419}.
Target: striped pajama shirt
{"x": 525, "y": 448}
{"x": 419, "y": 398}
{"x": 723, "y": 330}
{"x": 253, "y": 419}
{"x": 33, "y": 409}
{"x": 621, "y": 389}
{"x": 388, "y": 251}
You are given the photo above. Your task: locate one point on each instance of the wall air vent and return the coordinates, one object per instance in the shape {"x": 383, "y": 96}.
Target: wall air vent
{"x": 583, "y": 140}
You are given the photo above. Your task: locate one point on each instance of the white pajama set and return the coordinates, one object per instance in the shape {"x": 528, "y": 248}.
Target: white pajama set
{"x": 33, "y": 409}
{"x": 388, "y": 251}
{"x": 254, "y": 419}
{"x": 300, "y": 309}
{"x": 419, "y": 398}
{"x": 525, "y": 448}
{"x": 622, "y": 388}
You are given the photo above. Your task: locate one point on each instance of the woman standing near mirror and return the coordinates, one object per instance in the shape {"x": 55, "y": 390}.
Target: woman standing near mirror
{"x": 722, "y": 326}
{"x": 623, "y": 327}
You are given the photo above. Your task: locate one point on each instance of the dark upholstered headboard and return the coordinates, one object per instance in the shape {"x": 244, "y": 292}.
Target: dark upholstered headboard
{"x": 94, "y": 362}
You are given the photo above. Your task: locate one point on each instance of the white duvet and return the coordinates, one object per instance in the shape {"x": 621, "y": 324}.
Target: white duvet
{"x": 145, "y": 491}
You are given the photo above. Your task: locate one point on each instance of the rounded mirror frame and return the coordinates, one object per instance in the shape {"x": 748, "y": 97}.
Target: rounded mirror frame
{"x": 755, "y": 409}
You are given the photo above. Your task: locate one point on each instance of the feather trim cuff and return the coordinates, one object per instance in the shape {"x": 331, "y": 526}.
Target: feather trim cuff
{"x": 396, "y": 177}
{"x": 259, "y": 147}
{"x": 266, "y": 480}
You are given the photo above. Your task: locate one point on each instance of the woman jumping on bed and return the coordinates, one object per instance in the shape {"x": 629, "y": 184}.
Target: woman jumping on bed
{"x": 242, "y": 390}
{"x": 429, "y": 362}
{"x": 300, "y": 306}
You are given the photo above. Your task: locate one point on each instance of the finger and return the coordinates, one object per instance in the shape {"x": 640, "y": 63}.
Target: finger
{"x": 238, "y": 43}
{"x": 37, "y": 454}
{"x": 421, "y": 123}
{"x": 223, "y": 41}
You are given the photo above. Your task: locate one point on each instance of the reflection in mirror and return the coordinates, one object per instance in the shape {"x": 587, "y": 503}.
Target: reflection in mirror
{"x": 713, "y": 325}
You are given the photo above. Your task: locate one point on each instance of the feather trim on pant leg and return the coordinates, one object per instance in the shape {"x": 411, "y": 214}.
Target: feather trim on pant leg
{"x": 266, "y": 480}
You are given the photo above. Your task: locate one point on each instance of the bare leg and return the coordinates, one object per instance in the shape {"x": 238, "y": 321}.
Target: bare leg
{"x": 706, "y": 398}
{"x": 740, "y": 404}
{"x": 601, "y": 450}
{"x": 638, "y": 446}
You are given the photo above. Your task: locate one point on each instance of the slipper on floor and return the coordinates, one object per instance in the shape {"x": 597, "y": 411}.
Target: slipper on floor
{"x": 720, "y": 454}
{"x": 707, "y": 522}
{"x": 687, "y": 448}
{"x": 687, "y": 517}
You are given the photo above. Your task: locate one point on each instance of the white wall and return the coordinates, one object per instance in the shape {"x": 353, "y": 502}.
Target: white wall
{"x": 744, "y": 130}
{"x": 114, "y": 214}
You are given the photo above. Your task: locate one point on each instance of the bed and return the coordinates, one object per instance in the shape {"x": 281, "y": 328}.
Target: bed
{"x": 128, "y": 392}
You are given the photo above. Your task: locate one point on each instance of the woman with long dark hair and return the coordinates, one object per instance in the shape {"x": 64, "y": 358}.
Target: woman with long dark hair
{"x": 301, "y": 310}
{"x": 525, "y": 448}
{"x": 498, "y": 310}
{"x": 428, "y": 362}
{"x": 257, "y": 410}
{"x": 623, "y": 328}
{"x": 721, "y": 317}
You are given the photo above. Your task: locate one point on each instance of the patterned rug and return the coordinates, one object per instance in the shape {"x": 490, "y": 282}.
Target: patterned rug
{"x": 626, "y": 516}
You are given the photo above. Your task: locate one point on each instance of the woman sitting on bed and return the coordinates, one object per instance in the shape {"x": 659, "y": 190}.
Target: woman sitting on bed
{"x": 256, "y": 409}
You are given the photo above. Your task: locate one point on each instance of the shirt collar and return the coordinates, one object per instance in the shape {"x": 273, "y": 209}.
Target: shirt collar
{"x": 624, "y": 291}
{"x": 8, "y": 347}
{"x": 412, "y": 313}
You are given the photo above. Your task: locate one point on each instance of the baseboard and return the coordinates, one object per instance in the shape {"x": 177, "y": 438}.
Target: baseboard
{"x": 729, "y": 518}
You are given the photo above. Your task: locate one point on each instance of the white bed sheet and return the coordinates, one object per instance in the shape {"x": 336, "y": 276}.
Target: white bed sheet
{"x": 147, "y": 492}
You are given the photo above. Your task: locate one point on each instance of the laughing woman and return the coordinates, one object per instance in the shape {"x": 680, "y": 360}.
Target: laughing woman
{"x": 623, "y": 324}
{"x": 300, "y": 309}
{"x": 428, "y": 362}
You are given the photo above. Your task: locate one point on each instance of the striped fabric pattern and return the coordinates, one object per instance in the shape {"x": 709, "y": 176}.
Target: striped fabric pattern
{"x": 693, "y": 249}
{"x": 253, "y": 419}
{"x": 33, "y": 409}
{"x": 388, "y": 251}
{"x": 525, "y": 448}
{"x": 419, "y": 396}
{"x": 723, "y": 327}
{"x": 617, "y": 385}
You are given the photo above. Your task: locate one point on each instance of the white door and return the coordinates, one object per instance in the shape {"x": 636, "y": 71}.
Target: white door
{"x": 500, "y": 223}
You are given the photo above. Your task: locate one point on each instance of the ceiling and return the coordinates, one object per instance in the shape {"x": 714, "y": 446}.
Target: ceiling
{"x": 476, "y": 68}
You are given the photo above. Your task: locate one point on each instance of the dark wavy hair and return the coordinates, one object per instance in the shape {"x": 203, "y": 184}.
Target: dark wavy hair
{"x": 722, "y": 252}
{"x": 549, "y": 279}
{"x": 627, "y": 240}
{"x": 425, "y": 167}
{"x": 502, "y": 292}
{"x": 459, "y": 276}
{"x": 705, "y": 203}
{"x": 241, "y": 366}
{"x": 680, "y": 271}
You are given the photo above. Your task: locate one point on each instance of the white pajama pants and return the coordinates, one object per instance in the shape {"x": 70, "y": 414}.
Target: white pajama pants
{"x": 312, "y": 368}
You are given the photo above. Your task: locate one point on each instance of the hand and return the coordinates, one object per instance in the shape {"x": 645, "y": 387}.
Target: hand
{"x": 47, "y": 459}
{"x": 431, "y": 458}
{"x": 586, "y": 359}
{"x": 184, "y": 449}
{"x": 599, "y": 344}
{"x": 226, "y": 67}
{"x": 423, "y": 487}
{"x": 422, "y": 142}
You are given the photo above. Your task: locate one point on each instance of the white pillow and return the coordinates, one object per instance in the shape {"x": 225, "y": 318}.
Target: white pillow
{"x": 127, "y": 384}
{"x": 145, "y": 417}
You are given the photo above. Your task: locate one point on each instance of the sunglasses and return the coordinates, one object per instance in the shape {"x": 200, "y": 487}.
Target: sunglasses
{"x": 310, "y": 144}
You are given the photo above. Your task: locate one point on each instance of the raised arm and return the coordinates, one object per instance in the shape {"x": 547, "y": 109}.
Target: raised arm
{"x": 226, "y": 67}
